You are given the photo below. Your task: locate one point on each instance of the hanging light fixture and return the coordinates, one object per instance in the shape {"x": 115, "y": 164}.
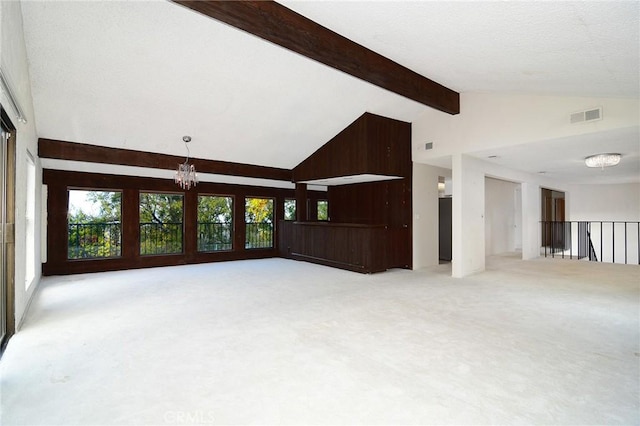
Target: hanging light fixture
{"x": 186, "y": 176}
{"x": 602, "y": 160}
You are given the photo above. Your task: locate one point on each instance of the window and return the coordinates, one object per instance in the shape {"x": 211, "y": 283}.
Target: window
{"x": 289, "y": 209}
{"x": 323, "y": 210}
{"x": 94, "y": 224}
{"x": 30, "y": 218}
{"x": 160, "y": 223}
{"x": 258, "y": 217}
{"x": 215, "y": 223}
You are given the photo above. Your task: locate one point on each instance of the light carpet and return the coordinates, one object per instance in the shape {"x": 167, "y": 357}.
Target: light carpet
{"x": 276, "y": 341}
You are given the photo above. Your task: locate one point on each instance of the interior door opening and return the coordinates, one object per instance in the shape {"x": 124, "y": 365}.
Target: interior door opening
{"x": 553, "y": 217}
{"x": 445, "y": 224}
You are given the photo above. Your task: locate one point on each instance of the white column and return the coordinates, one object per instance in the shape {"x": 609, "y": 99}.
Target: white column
{"x": 468, "y": 216}
{"x": 531, "y": 220}
{"x": 425, "y": 215}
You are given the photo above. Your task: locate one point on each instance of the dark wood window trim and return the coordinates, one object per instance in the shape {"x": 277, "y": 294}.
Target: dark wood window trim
{"x": 183, "y": 242}
{"x": 273, "y": 218}
{"x": 59, "y": 182}
{"x": 233, "y": 222}
{"x": 113, "y": 256}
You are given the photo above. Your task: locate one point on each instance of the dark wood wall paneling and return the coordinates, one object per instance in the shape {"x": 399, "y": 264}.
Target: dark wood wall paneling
{"x": 358, "y": 248}
{"x": 284, "y": 27}
{"x": 370, "y": 145}
{"x": 59, "y": 182}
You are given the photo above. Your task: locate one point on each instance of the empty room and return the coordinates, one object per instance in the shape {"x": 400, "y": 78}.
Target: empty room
{"x": 305, "y": 212}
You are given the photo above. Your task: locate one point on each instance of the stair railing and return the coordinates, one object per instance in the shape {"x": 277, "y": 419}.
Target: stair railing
{"x": 603, "y": 241}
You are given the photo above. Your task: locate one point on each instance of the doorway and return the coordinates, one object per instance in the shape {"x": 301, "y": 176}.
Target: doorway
{"x": 502, "y": 216}
{"x": 7, "y": 229}
{"x": 445, "y": 220}
{"x": 554, "y": 233}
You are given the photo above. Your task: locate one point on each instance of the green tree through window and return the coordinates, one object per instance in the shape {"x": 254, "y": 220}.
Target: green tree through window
{"x": 94, "y": 224}
{"x": 289, "y": 209}
{"x": 160, "y": 223}
{"x": 215, "y": 223}
{"x": 258, "y": 217}
{"x": 323, "y": 210}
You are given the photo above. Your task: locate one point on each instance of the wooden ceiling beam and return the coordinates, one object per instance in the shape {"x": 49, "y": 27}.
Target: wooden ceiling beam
{"x": 284, "y": 27}
{"x": 63, "y": 150}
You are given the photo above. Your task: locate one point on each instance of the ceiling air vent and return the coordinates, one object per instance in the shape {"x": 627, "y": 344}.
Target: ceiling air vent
{"x": 584, "y": 116}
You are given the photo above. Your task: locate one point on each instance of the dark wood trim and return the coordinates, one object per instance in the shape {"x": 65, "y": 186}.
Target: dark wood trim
{"x": 130, "y": 228}
{"x": 301, "y": 202}
{"x": 59, "y": 182}
{"x": 190, "y": 225}
{"x": 284, "y": 27}
{"x": 63, "y": 150}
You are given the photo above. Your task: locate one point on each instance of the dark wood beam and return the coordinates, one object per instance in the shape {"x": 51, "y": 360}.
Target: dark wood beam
{"x": 62, "y": 150}
{"x": 284, "y": 27}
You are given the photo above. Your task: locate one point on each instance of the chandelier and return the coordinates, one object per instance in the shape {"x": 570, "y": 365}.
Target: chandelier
{"x": 602, "y": 160}
{"x": 186, "y": 176}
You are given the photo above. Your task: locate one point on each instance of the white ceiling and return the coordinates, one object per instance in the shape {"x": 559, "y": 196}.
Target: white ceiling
{"x": 562, "y": 159}
{"x": 578, "y": 48}
{"x": 140, "y": 75}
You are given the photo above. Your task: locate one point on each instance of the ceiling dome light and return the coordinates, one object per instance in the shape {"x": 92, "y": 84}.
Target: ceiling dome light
{"x": 602, "y": 160}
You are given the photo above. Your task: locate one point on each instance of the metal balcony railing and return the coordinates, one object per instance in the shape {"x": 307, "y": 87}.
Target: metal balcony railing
{"x": 603, "y": 241}
{"x": 258, "y": 235}
{"x": 160, "y": 238}
{"x": 215, "y": 236}
{"x": 94, "y": 240}
{"x": 98, "y": 240}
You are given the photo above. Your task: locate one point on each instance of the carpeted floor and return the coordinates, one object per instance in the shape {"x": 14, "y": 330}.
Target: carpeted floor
{"x": 282, "y": 342}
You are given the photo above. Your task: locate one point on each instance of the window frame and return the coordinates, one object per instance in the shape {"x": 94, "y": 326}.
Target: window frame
{"x": 318, "y": 202}
{"x": 295, "y": 209}
{"x": 272, "y": 223}
{"x": 182, "y": 228}
{"x": 120, "y": 223}
{"x": 233, "y": 222}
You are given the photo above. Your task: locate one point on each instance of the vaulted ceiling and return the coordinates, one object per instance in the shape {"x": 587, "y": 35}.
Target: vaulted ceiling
{"x": 140, "y": 75}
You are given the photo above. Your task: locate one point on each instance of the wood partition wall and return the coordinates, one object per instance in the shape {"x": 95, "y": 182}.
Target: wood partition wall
{"x": 370, "y": 223}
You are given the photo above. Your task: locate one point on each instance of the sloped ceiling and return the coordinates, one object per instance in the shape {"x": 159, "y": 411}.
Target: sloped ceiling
{"x": 140, "y": 75}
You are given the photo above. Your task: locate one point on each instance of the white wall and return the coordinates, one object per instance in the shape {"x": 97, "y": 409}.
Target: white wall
{"x": 469, "y": 235}
{"x": 501, "y": 210}
{"x": 621, "y": 203}
{"x": 491, "y": 120}
{"x": 13, "y": 59}
{"x": 604, "y": 202}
